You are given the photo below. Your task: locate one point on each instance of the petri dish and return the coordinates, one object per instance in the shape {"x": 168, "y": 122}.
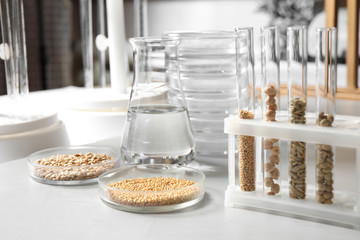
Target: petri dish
{"x": 150, "y": 201}
{"x": 88, "y": 164}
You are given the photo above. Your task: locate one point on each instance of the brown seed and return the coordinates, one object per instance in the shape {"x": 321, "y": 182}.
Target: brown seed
{"x": 321, "y": 187}
{"x": 324, "y": 123}
{"x": 275, "y": 173}
{"x": 320, "y": 180}
{"x": 270, "y": 114}
{"x": 270, "y": 90}
{"x": 272, "y": 107}
{"x": 274, "y": 159}
{"x": 269, "y": 100}
{"x": 269, "y": 166}
{"x": 328, "y": 176}
{"x": 321, "y": 115}
{"x": 268, "y": 144}
{"x": 330, "y": 118}
{"x": 275, "y": 150}
{"x": 244, "y": 114}
{"x": 328, "y": 195}
{"x": 319, "y": 160}
{"x": 268, "y": 181}
{"x": 326, "y": 147}
{"x": 275, "y": 188}
{"x": 329, "y": 188}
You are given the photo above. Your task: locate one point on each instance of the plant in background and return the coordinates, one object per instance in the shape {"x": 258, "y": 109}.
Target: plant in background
{"x": 286, "y": 13}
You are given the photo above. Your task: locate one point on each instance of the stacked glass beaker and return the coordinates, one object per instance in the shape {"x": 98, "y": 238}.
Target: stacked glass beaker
{"x": 208, "y": 76}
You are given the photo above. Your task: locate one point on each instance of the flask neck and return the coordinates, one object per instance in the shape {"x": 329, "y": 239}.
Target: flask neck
{"x": 156, "y": 73}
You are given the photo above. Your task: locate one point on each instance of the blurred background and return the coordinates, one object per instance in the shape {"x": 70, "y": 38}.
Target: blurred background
{"x": 54, "y": 42}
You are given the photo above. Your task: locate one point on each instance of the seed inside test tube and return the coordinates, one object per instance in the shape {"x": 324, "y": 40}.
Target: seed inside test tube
{"x": 246, "y": 157}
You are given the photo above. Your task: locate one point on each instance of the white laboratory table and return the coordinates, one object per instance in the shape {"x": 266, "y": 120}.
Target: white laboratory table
{"x": 31, "y": 210}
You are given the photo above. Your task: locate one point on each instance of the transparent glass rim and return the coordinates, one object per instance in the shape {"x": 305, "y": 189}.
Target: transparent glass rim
{"x": 199, "y": 183}
{"x": 154, "y": 40}
{"x": 244, "y": 29}
{"x": 297, "y": 28}
{"x": 206, "y": 34}
{"x": 325, "y": 29}
{"x": 269, "y": 28}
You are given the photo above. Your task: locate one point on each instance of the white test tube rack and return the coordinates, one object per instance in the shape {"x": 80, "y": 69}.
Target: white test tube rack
{"x": 344, "y": 212}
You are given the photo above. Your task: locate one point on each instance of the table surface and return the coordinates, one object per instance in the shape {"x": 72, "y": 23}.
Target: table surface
{"x": 31, "y": 210}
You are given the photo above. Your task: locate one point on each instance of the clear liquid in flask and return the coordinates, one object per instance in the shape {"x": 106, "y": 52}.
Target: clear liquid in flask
{"x": 157, "y": 134}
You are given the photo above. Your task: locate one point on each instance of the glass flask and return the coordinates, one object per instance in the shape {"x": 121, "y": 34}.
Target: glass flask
{"x": 297, "y": 96}
{"x": 270, "y": 85}
{"x": 326, "y": 59}
{"x": 157, "y": 128}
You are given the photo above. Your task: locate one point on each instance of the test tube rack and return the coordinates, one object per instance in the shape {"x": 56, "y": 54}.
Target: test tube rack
{"x": 345, "y": 211}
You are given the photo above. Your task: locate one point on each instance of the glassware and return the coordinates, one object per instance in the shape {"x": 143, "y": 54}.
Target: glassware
{"x": 101, "y": 35}
{"x": 101, "y": 42}
{"x": 208, "y": 76}
{"x": 14, "y": 47}
{"x": 245, "y": 80}
{"x": 87, "y": 41}
{"x": 95, "y": 161}
{"x": 140, "y": 18}
{"x": 270, "y": 84}
{"x": 297, "y": 96}
{"x": 118, "y": 59}
{"x": 113, "y": 194}
{"x": 326, "y": 61}
{"x": 157, "y": 129}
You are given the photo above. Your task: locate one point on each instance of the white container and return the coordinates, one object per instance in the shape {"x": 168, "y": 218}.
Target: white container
{"x": 93, "y": 115}
{"x": 18, "y": 140}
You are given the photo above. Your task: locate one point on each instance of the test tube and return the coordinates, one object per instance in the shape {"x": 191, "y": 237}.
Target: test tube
{"x": 87, "y": 41}
{"x": 14, "y": 47}
{"x": 101, "y": 52}
{"x": 297, "y": 96}
{"x": 140, "y": 18}
{"x": 246, "y": 104}
{"x": 326, "y": 60}
{"x": 270, "y": 84}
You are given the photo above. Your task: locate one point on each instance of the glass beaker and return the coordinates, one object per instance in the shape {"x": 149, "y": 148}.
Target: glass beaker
{"x": 157, "y": 129}
{"x": 207, "y": 66}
